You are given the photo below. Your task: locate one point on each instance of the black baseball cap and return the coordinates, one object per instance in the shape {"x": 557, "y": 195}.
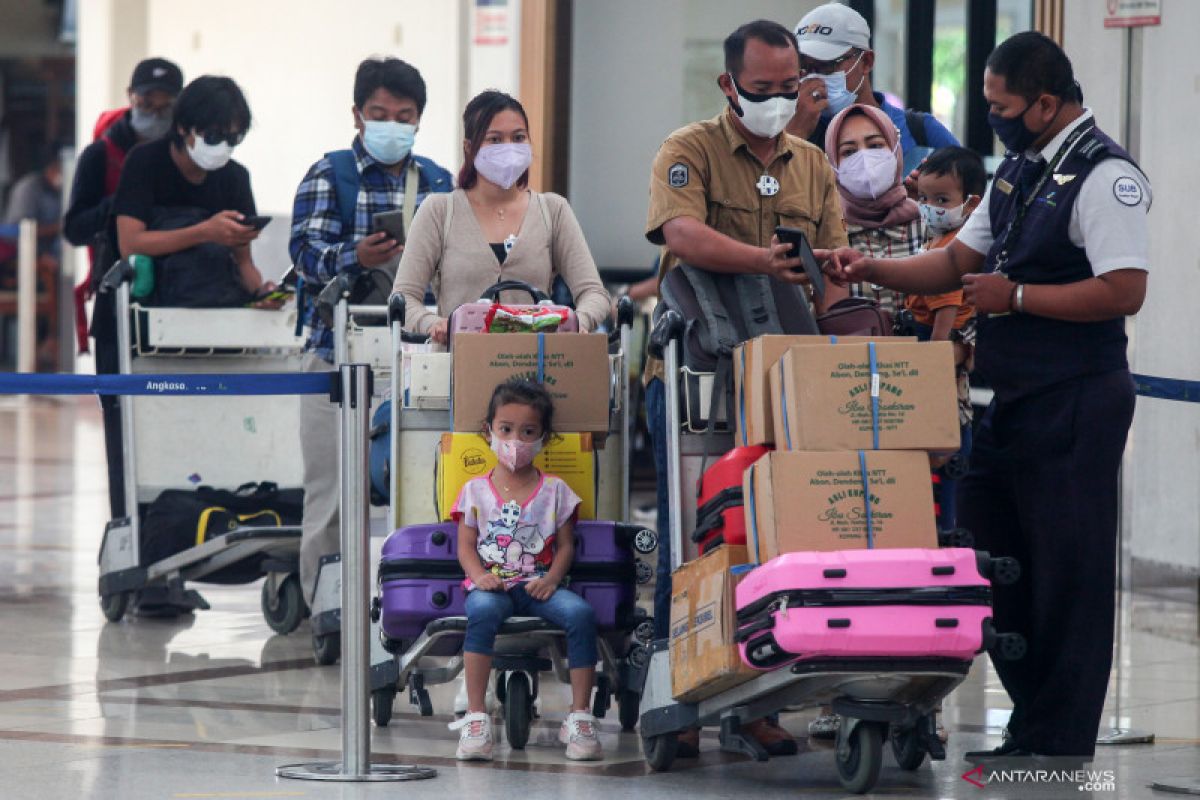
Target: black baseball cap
{"x": 156, "y": 73}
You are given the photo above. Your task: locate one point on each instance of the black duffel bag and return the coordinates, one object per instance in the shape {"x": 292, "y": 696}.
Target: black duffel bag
{"x": 181, "y": 518}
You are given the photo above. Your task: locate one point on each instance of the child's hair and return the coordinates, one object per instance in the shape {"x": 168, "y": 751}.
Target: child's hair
{"x": 526, "y": 393}
{"x": 961, "y": 163}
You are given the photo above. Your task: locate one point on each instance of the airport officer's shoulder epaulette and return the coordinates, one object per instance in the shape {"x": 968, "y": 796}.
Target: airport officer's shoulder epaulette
{"x": 1093, "y": 148}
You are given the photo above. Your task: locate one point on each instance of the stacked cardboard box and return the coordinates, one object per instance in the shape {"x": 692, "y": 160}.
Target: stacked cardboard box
{"x": 853, "y": 424}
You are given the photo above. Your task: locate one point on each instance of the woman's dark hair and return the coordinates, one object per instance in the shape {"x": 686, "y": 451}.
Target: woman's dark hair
{"x": 397, "y": 77}
{"x": 525, "y": 393}
{"x": 1031, "y": 64}
{"x": 766, "y": 31}
{"x": 210, "y": 103}
{"x": 477, "y": 118}
{"x": 960, "y": 163}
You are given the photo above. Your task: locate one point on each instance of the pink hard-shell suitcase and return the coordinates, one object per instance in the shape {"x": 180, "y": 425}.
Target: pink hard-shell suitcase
{"x": 902, "y": 603}
{"x": 480, "y": 316}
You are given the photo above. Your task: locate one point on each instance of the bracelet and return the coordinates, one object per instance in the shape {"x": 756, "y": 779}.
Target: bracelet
{"x": 1012, "y": 297}
{"x": 1021, "y": 298}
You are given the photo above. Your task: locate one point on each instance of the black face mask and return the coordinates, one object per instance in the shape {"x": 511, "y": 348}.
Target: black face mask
{"x": 1012, "y": 131}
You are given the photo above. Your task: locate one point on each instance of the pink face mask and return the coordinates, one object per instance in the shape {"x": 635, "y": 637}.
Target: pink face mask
{"x": 514, "y": 453}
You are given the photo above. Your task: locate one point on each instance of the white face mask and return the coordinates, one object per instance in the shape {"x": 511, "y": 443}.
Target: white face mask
{"x": 210, "y": 157}
{"x": 943, "y": 220}
{"x": 868, "y": 174}
{"x": 767, "y": 117}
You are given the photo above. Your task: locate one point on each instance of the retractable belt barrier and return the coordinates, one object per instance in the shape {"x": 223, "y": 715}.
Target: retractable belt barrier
{"x": 1167, "y": 388}
{"x": 257, "y": 383}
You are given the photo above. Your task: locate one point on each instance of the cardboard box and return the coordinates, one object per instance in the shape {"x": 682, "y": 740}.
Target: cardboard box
{"x": 574, "y": 370}
{"x": 704, "y": 659}
{"x": 798, "y": 500}
{"x": 463, "y": 456}
{"x": 823, "y": 397}
{"x": 752, "y": 362}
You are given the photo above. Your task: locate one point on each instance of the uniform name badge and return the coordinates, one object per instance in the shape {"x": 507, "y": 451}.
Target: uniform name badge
{"x": 767, "y": 186}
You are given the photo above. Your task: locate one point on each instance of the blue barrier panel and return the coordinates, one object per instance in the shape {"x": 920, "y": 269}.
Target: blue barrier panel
{"x": 1167, "y": 388}
{"x": 258, "y": 383}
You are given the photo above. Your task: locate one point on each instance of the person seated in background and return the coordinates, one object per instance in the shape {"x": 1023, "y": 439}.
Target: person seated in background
{"x": 185, "y": 191}
{"x": 38, "y": 196}
{"x": 950, "y": 184}
{"x": 493, "y": 228}
{"x": 332, "y": 234}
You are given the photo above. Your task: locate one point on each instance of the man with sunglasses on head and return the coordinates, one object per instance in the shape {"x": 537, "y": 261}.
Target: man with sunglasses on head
{"x": 836, "y": 60}
{"x": 192, "y": 169}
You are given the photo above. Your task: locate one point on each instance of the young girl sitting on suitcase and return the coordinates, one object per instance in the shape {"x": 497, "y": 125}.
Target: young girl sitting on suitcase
{"x": 515, "y": 543}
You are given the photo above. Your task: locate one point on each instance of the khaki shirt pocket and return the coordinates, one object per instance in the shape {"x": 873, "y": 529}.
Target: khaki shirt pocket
{"x": 794, "y": 215}
{"x": 736, "y": 219}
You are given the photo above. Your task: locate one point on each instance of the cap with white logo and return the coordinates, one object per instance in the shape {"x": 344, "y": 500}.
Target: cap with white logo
{"x": 830, "y": 30}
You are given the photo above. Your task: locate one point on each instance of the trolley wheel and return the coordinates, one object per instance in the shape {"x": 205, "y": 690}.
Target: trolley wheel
{"x": 645, "y": 541}
{"x": 660, "y": 750}
{"x": 518, "y": 710}
{"x": 858, "y": 767}
{"x": 381, "y": 705}
{"x": 628, "y": 709}
{"x": 907, "y": 747}
{"x": 283, "y": 610}
{"x": 327, "y": 648}
{"x": 114, "y": 606}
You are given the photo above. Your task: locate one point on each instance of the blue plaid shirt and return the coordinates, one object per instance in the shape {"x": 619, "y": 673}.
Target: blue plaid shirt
{"x": 319, "y": 247}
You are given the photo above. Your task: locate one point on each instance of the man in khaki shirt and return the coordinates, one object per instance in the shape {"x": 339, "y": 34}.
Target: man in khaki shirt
{"x": 718, "y": 189}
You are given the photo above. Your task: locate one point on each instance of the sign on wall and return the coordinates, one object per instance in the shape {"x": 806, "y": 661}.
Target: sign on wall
{"x": 491, "y": 22}
{"x": 1132, "y": 13}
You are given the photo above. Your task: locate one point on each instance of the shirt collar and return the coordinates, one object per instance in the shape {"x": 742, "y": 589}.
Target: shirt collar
{"x": 1048, "y": 152}
{"x": 783, "y": 144}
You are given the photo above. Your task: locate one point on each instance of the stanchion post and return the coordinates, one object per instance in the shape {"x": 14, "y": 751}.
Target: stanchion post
{"x": 125, "y": 405}
{"x": 27, "y": 296}
{"x": 674, "y": 466}
{"x": 354, "y": 394}
{"x": 625, "y": 327}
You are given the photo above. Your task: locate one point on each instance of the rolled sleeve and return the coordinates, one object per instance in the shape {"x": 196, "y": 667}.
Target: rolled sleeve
{"x": 317, "y": 246}
{"x": 1111, "y": 217}
{"x": 678, "y": 186}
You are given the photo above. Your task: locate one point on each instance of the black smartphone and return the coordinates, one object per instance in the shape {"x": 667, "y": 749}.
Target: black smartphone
{"x": 391, "y": 223}
{"x": 258, "y": 223}
{"x": 801, "y": 248}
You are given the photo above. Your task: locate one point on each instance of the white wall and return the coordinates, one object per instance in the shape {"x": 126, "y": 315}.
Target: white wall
{"x": 627, "y": 95}
{"x": 1162, "y": 466}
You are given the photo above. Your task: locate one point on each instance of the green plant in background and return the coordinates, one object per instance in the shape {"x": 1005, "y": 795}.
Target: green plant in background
{"x": 949, "y": 76}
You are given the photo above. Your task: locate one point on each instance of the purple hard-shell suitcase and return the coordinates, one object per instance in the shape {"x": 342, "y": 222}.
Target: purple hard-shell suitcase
{"x": 420, "y": 579}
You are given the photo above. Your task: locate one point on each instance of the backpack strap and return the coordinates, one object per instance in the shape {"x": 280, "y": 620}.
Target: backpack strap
{"x": 916, "y": 126}
{"x": 412, "y": 187}
{"x": 345, "y": 185}
{"x": 718, "y": 330}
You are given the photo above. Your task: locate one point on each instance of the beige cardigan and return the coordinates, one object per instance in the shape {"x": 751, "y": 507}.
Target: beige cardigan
{"x": 466, "y": 265}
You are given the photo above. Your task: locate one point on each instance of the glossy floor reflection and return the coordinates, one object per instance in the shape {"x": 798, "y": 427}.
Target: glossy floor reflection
{"x": 207, "y": 706}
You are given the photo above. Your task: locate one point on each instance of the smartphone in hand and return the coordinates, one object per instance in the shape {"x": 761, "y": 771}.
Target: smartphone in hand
{"x": 389, "y": 222}
{"x": 256, "y": 222}
{"x": 801, "y": 249}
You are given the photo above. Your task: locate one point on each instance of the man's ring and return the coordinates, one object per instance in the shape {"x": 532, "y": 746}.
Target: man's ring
{"x": 816, "y": 95}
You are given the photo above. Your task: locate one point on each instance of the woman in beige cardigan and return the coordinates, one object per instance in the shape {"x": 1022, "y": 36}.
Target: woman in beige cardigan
{"x": 494, "y": 228}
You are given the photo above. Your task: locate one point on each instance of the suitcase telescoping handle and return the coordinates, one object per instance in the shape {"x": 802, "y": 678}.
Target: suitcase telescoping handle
{"x": 667, "y": 327}
{"x": 396, "y": 314}
{"x": 492, "y": 293}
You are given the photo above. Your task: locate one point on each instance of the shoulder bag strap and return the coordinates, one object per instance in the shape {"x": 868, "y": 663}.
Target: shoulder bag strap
{"x": 412, "y": 186}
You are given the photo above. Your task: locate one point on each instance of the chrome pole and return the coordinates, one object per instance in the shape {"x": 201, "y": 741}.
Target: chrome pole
{"x": 674, "y": 471}
{"x": 125, "y": 404}
{"x": 355, "y": 399}
{"x": 27, "y": 296}
{"x": 626, "y": 422}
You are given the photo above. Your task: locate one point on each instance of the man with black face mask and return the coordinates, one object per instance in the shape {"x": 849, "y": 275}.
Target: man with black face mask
{"x": 153, "y": 88}
{"x": 1054, "y": 259}
{"x": 718, "y": 189}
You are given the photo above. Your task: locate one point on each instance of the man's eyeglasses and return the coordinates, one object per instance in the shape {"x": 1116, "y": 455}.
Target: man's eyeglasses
{"x": 214, "y": 138}
{"x": 808, "y": 67}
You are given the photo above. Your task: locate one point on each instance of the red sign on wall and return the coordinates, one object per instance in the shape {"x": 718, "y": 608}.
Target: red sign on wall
{"x": 1132, "y": 13}
{"x": 491, "y": 22}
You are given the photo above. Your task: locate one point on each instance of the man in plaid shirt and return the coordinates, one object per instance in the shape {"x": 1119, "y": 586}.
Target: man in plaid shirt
{"x": 327, "y": 239}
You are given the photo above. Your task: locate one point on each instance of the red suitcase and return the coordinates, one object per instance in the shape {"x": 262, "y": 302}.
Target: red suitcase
{"x": 720, "y": 518}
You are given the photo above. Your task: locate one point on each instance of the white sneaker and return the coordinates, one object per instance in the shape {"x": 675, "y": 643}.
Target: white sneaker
{"x": 825, "y": 726}
{"x": 475, "y": 741}
{"x": 578, "y": 733}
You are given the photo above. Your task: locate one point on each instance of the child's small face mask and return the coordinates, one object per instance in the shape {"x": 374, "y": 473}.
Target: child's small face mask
{"x": 943, "y": 206}
{"x": 516, "y": 435}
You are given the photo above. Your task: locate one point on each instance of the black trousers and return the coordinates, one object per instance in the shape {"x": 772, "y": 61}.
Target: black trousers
{"x": 1043, "y": 489}
{"x": 104, "y": 332}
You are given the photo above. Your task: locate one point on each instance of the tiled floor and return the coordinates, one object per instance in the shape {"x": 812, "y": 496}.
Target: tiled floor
{"x": 207, "y": 706}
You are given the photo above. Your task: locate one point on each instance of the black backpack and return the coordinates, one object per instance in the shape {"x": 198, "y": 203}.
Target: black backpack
{"x": 722, "y": 310}
{"x": 204, "y": 276}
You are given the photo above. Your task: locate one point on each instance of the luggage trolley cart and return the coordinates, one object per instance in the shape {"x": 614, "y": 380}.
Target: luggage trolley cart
{"x": 360, "y": 335}
{"x": 525, "y": 647}
{"x": 878, "y": 699}
{"x": 174, "y": 442}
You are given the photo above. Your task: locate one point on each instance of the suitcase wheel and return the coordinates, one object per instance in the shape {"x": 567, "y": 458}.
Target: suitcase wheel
{"x": 645, "y": 541}
{"x": 644, "y": 632}
{"x": 381, "y": 705}
{"x": 645, "y": 572}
